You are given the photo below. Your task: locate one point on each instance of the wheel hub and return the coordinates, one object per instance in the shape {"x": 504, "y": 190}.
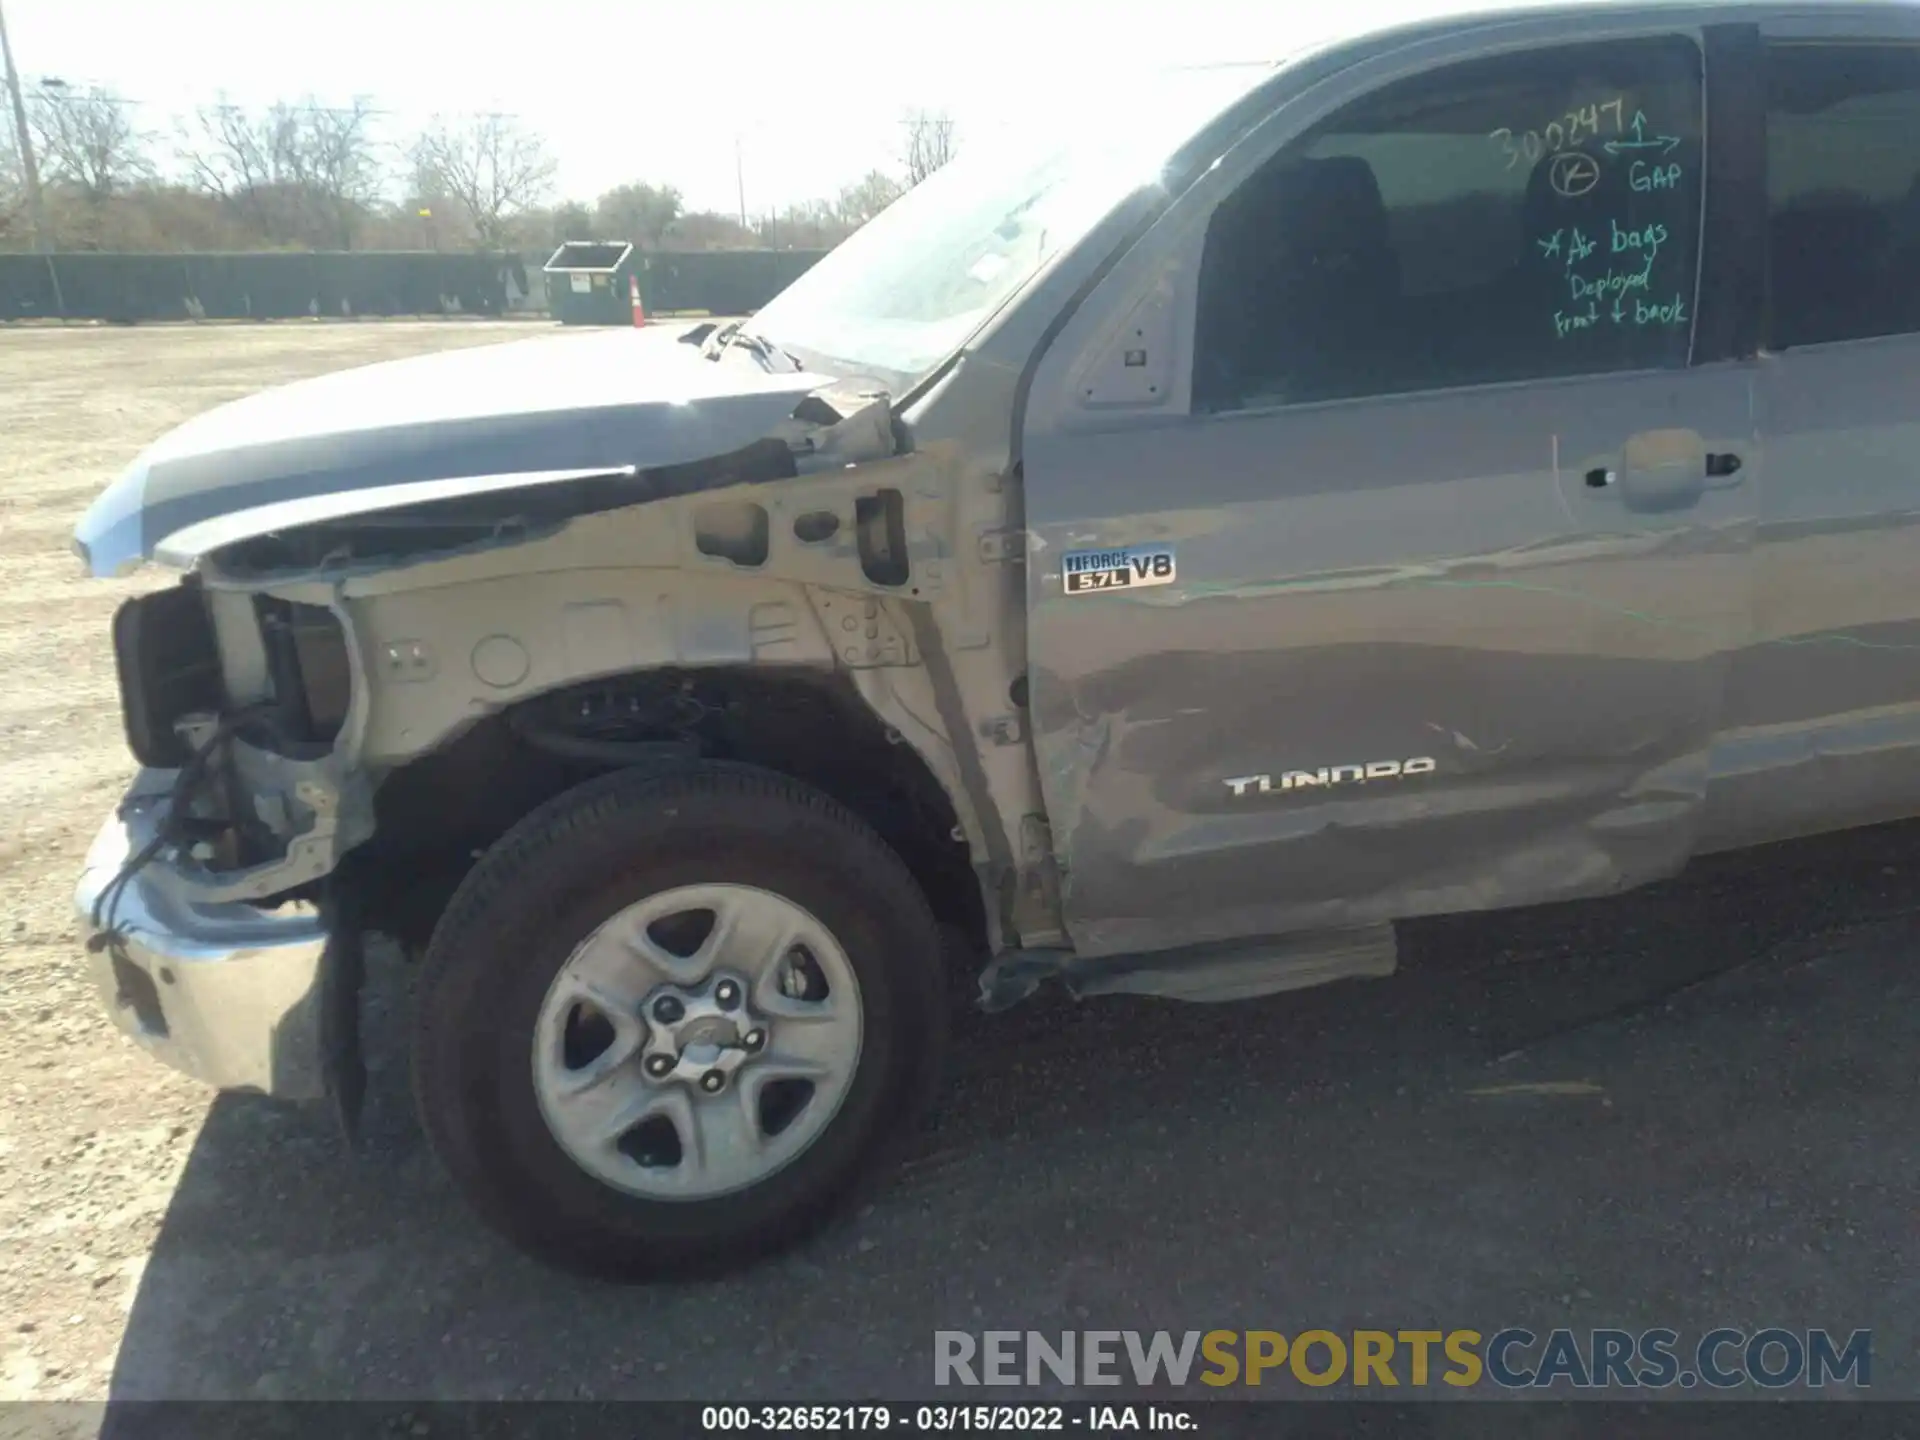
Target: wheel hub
{"x": 701, "y": 1036}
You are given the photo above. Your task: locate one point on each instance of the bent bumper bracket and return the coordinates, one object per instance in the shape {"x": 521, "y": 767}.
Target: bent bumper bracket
{"x": 227, "y": 992}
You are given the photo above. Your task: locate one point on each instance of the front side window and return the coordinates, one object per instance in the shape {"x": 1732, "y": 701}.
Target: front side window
{"x": 1522, "y": 216}
{"x": 1843, "y": 191}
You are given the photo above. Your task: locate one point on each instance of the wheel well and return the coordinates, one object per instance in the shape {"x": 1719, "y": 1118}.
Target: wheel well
{"x": 436, "y": 815}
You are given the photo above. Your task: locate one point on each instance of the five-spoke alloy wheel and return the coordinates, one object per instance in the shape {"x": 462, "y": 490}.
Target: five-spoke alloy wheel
{"x": 671, "y": 1019}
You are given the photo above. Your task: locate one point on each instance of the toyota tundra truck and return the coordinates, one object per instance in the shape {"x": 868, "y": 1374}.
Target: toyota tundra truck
{"x": 1452, "y": 467}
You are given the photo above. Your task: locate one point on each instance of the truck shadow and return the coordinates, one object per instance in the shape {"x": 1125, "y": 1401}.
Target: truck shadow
{"x": 1667, "y": 1109}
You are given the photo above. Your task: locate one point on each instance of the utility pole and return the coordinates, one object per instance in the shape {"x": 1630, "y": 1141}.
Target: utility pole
{"x": 740, "y": 179}
{"x": 36, "y": 214}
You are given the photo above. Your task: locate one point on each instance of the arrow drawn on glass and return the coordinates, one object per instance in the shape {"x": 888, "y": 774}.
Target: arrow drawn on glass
{"x": 1641, "y": 140}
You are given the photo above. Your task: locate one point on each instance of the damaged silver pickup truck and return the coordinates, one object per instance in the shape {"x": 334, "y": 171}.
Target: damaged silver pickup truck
{"x": 1462, "y": 467}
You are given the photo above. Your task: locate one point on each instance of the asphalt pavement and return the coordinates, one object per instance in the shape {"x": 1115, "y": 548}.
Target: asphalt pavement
{"x": 1689, "y": 1107}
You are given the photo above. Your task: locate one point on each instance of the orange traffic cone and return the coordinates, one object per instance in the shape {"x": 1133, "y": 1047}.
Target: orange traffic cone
{"x": 633, "y": 294}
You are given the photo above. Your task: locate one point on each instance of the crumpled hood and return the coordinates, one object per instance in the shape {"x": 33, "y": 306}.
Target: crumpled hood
{"x": 431, "y": 427}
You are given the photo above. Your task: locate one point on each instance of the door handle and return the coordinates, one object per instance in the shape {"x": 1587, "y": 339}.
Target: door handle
{"x": 1661, "y": 471}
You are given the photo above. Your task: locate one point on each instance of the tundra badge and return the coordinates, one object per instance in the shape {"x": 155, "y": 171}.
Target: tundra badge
{"x": 1332, "y": 775}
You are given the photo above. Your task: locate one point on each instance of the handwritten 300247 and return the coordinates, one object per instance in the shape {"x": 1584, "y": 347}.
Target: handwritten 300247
{"x": 1580, "y": 123}
{"x": 1622, "y": 292}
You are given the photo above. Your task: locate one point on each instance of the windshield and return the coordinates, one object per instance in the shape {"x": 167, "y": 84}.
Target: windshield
{"x": 907, "y": 289}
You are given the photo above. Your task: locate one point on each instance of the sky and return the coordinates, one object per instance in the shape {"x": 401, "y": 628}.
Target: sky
{"x": 812, "y": 91}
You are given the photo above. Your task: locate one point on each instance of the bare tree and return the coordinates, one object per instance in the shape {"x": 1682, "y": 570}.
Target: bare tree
{"x": 87, "y": 139}
{"x": 492, "y": 167}
{"x": 229, "y": 154}
{"x": 297, "y": 174}
{"x": 13, "y": 195}
{"x": 929, "y": 144}
{"x": 866, "y": 198}
{"x": 328, "y": 157}
{"x": 12, "y": 183}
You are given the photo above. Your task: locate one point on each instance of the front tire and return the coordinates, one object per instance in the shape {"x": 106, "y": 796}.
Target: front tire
{"x": 671, "y": 1020}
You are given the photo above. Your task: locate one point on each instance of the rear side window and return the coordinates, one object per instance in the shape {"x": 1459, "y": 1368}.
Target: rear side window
{"x": 1521, "y": 216}
{"x": 1843, "y": 191}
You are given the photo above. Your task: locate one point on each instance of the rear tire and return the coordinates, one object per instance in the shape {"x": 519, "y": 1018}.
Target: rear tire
{"x": 554, "y": 945}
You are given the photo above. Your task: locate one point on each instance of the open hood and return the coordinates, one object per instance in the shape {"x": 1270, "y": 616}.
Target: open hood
{"x": 528, "y": 412}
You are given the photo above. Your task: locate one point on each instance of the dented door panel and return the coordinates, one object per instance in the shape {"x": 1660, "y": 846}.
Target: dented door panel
{"x": 1411, "y": 661}
{"x": 1460, "y": 647}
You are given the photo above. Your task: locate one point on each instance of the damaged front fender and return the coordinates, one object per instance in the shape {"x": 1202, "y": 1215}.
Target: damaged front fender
{"x": 487, "y": 527}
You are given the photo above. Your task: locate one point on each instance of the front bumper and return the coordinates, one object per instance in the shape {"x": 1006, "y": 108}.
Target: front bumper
{"x": 228, "y": 993}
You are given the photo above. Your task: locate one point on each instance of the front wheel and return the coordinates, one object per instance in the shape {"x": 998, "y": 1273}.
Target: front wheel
{"x": 670, "y": 1020}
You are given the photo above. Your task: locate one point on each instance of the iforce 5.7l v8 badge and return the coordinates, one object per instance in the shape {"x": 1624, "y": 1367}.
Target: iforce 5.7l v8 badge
{"x": 1091, "y": 571}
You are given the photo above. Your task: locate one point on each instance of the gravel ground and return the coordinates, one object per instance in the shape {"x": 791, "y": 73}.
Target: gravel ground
{"x": 1690, "y": 1107}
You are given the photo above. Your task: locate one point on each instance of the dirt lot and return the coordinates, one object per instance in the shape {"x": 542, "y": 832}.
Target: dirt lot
{"x": 1694, "y": 1107}
{"x": 93, "y": 1138}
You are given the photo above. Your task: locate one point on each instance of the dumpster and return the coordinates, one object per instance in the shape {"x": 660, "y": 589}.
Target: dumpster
{"x": 587, "y": 283}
